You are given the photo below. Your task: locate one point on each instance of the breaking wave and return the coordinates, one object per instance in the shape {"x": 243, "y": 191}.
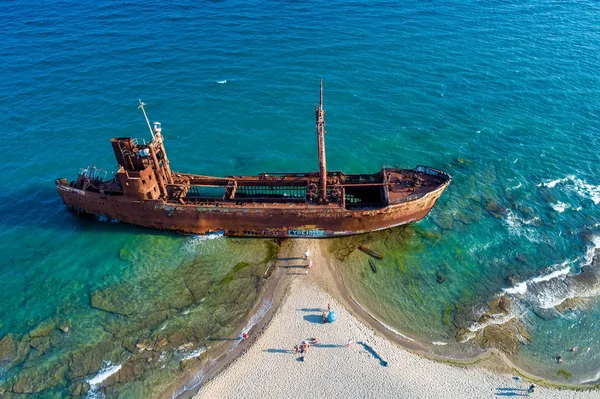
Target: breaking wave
{"x": 260, "y": 313}
{"x": 221, "y": 82}
{"x": 560, "y": 207}
{"x": 194, "y": 353}
{"x": 579, "y": 186}
{"x": 193, "y": 242}
{"x": 545, "y": 292}
{"x": 104, "y": 373}
{"x": 521, "y": 227}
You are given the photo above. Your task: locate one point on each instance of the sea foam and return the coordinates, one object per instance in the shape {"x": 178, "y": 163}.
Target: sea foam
{"x": 104, "y": 373}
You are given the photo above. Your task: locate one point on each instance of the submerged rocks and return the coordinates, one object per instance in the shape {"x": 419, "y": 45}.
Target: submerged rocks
{"x": 42, "y": 330}
{"x": 497, "y": 328}
{"x": 40, "y": 378}
{"x": 109, "y": 301}
{"x": 506, "y": 337}
{"x": 88, "y": 359}
{"x": 79, "y": 388}
{"x": 65, "y": 326}
{"x": 495, "y": 209}
{"x": 12, "y": 350}
{"x": 8, "y": 348}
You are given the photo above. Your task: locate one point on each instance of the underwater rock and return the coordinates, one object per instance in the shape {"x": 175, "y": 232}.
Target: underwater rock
{"x": 440, "y": 278}
{"x": 109, "y": 301}
{"x": 522, "y": 258}
{"x": 65, "y": 326}
{"x": 461, "y": 218}
{"x": 41, "y": 344}
{"x": 512, "y": 280}
{"x": 129, "y": 371}
{"x": 495, "y": 209}
{"x": 444, "y": 221}
{"x": 506, "y": 337}
{"x": 125, "y": 254}
{"x": 586, "y": 283}
{"x": 185, "y": 346}
{"x": 40, "y": 378}
{"x": 8, "y": 347}
{"x": 192, "y": 362}
{"x": 572, "y": 304}
{"x": 79, "y": 388}
{"x": 42, "y": 330}
{"x": 88, "y": 359}
{"x": 497, "y": 328}
{"x": 145, "y": 345}
{"x": 548, "y": 195}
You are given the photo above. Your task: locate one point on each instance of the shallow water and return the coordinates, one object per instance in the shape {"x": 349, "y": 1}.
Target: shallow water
{"x": 502, "y": 96}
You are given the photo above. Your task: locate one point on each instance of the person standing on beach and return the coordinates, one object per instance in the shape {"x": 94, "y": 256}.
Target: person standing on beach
{"x": 309, "y": 264}
{"x": 306, "y": 254}
{"x": 245, "y": 336}
{"x": 531, "y": 389}
{"x": 348, "y": 343}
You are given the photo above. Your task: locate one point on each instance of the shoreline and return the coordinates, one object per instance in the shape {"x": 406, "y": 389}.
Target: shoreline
{"x": 274, "y": 292}
{"x": 325, "y": 275}
{"x": 415, "y": 346}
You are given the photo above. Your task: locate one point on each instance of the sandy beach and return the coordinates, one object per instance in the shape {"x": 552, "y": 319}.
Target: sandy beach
{"x": 371, "y": 366}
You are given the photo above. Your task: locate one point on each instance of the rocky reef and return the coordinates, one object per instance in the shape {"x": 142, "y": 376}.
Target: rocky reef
{"x": 143, "y": 332}
{"x": 496, "y": 328}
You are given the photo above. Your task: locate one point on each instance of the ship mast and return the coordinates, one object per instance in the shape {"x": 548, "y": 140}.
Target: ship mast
{"x": 146, "y": 116}
{"x": 321, "y": 148}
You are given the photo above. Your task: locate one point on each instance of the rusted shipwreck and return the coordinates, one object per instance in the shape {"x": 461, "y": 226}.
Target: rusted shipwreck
{"x": 146, "y": 192}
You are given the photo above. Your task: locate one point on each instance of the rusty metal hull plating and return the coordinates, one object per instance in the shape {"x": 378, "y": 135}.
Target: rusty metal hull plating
{"x": 291, "y": 220}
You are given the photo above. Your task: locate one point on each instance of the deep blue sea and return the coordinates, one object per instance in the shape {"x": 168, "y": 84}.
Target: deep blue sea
{"x": 505, "y": 96}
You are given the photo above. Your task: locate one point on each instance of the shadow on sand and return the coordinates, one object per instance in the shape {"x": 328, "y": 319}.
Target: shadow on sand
{"x": 274, "y": 350}
{"x": 511, "y": 392}
{"x": 314, "y": 318}
{"x": 370, "y": 349}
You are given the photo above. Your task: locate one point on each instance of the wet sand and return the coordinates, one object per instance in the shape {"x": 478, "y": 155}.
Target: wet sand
{"x": 269, "y": 367}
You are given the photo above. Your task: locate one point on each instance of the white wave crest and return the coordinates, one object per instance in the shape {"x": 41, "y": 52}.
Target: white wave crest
{"x": 521, "y": 288}
{"x": 104, "y": 373}
{"x": 192, "y": 243}
{"x": 552, "y": 183}
{"x": 221, "y": 82}
{"x": 555, "y": 274}
{"x": 581, "y": 187}
{"x": 587, "y": 190}
{"x": 495, "y": 319}
{"x": 260, "y": 313}
{"x": 520, "y": 227}
{"x": 592, "y": 378}
{"x": 194, "y": 353}
{"x": 559, "y": 207}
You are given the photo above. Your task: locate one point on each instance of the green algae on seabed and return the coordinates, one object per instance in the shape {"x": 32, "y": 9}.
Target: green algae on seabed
{"x": 564, "y": 374}
{"x": 147, "y": 326}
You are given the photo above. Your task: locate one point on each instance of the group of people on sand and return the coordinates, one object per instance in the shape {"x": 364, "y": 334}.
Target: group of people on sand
{"x": 309, "y": 265}
{"x": 302, "y": 349}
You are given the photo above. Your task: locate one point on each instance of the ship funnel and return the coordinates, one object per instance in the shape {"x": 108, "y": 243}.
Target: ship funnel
{"x": 157, "y": 127}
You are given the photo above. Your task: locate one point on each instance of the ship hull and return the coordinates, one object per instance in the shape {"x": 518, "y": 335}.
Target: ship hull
{"x": 249, "y": 220}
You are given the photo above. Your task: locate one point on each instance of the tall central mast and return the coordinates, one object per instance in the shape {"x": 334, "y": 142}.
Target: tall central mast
{"x": 321, "y": 148}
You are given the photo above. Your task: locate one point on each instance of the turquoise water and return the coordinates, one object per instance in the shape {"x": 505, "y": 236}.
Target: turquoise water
{"x": 502, "y": 96}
